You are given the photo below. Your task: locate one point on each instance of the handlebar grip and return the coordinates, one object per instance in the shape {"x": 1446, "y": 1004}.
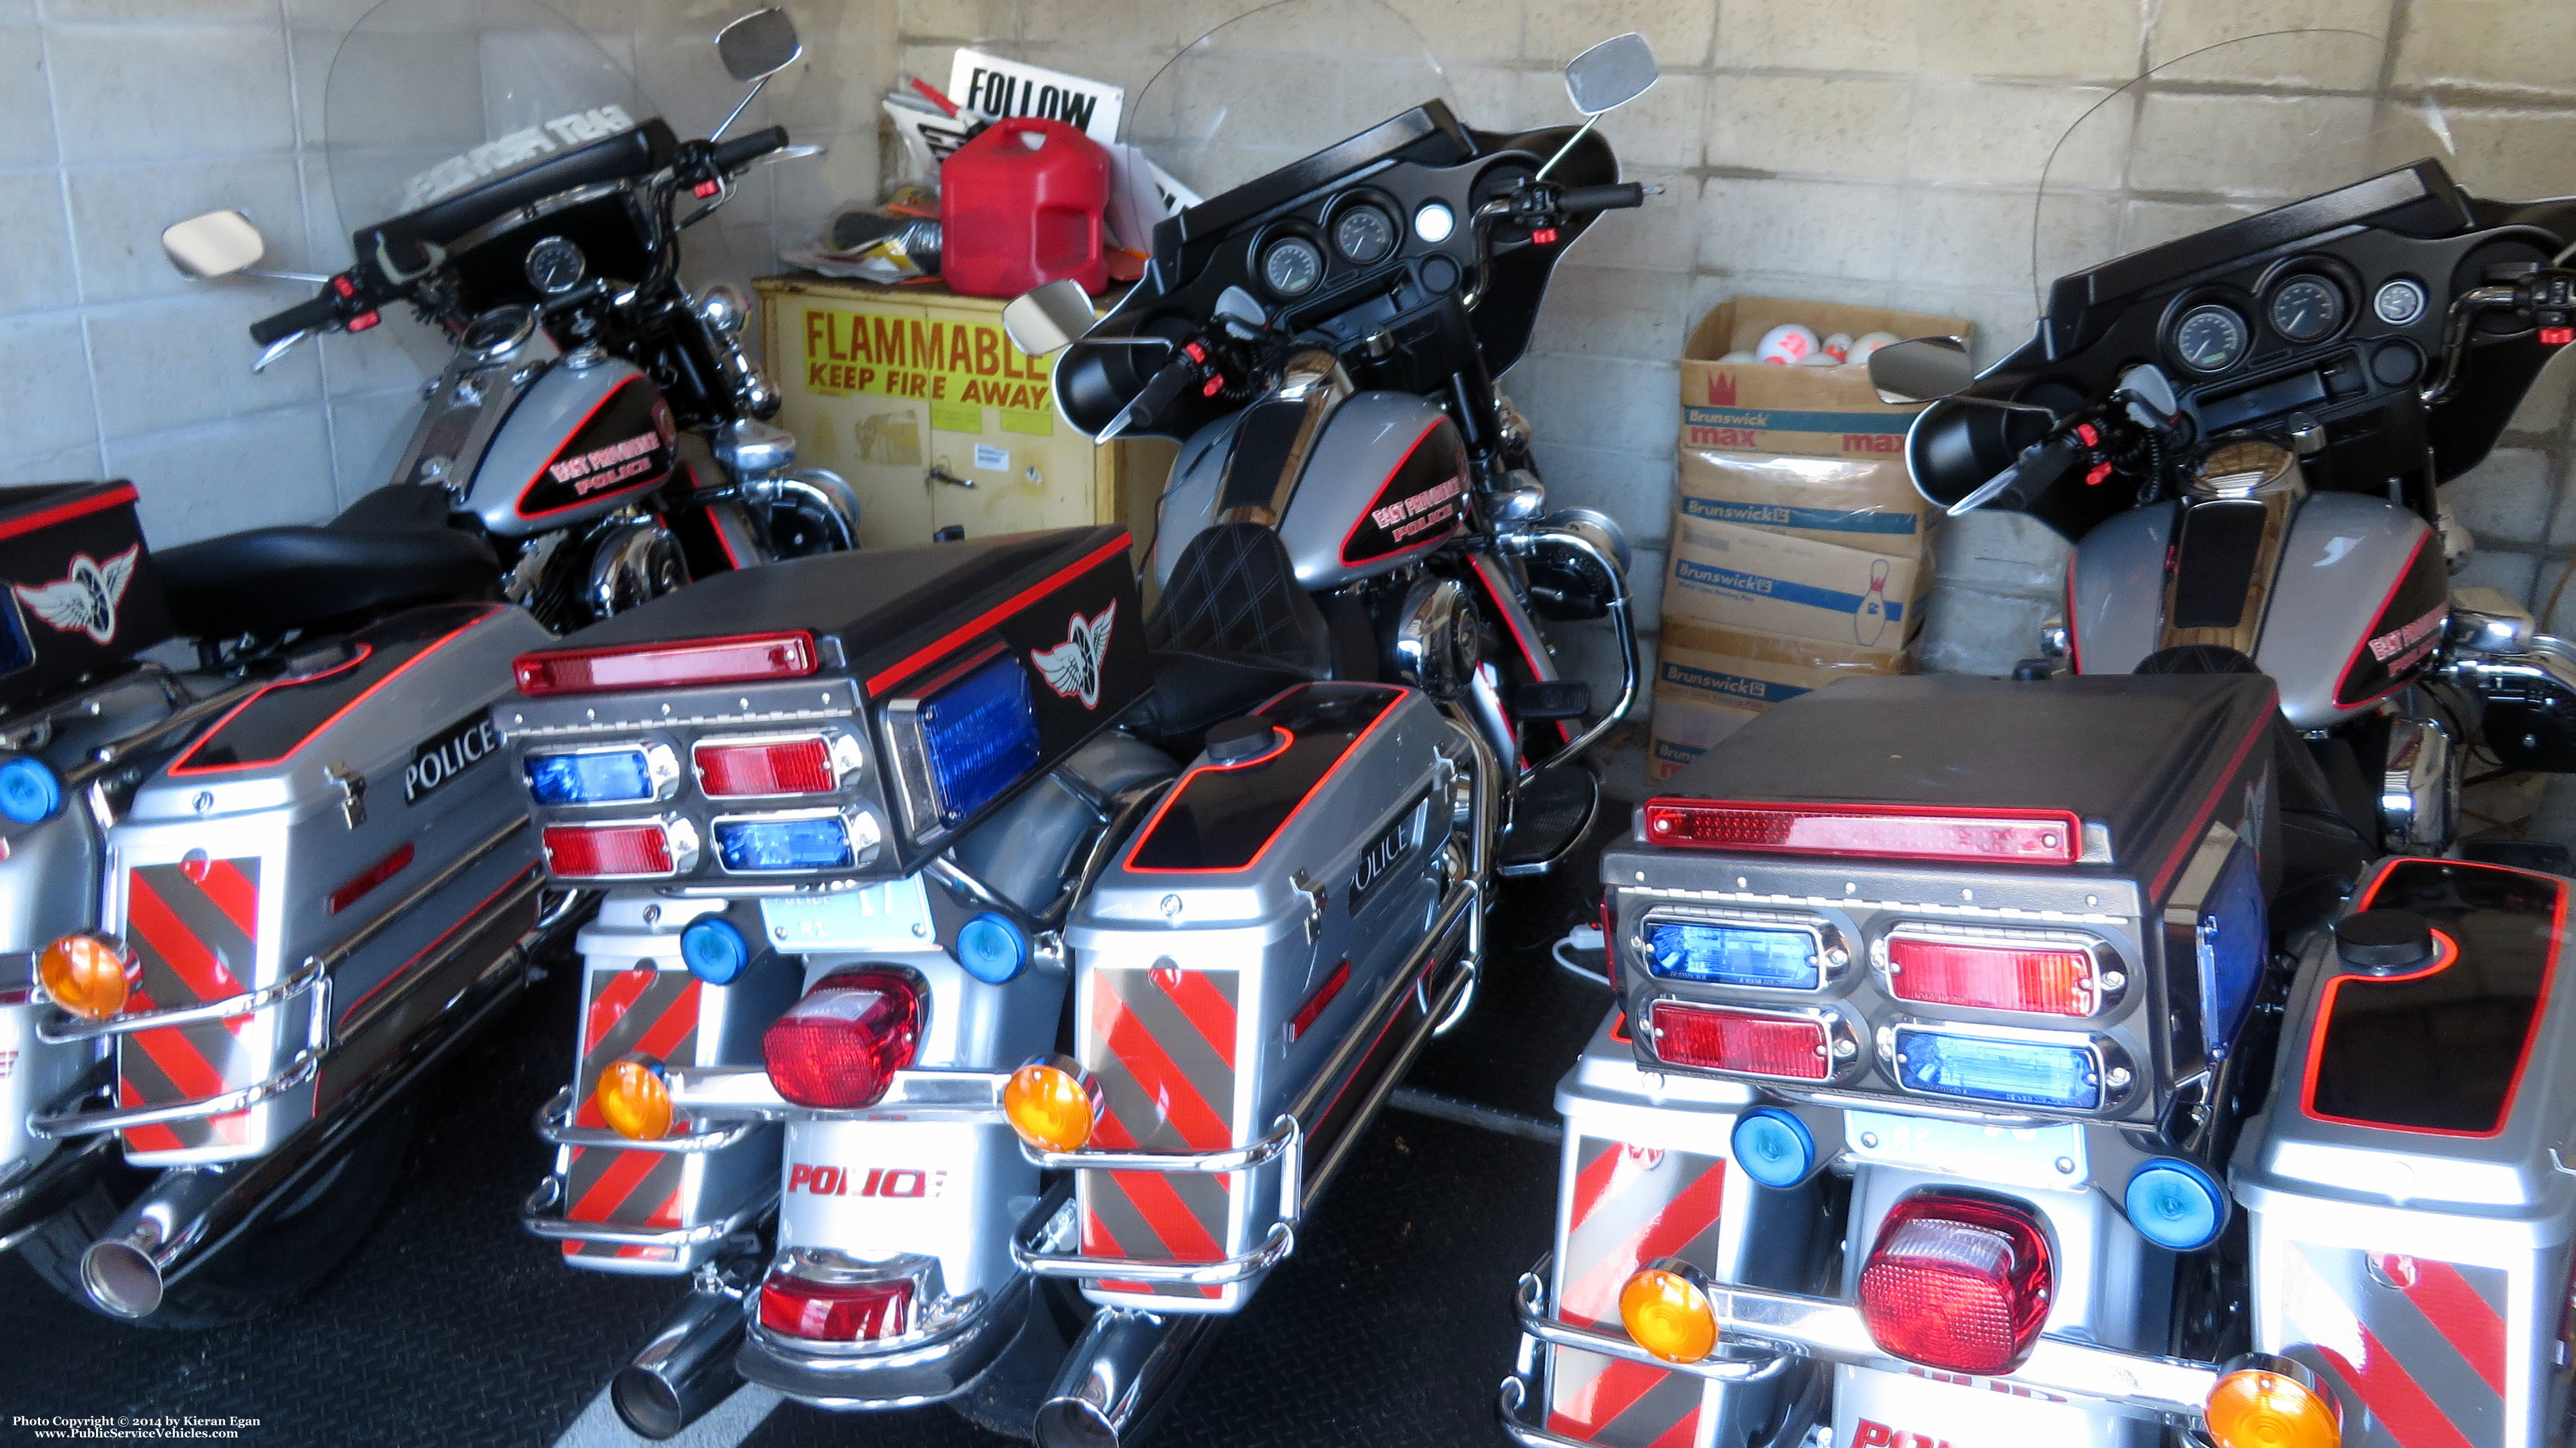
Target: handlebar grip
{"x": 735, "y": 154}
{"x": 1165, "y": 385}
{"x": 1603, "y": 198}
{"x": 304, "y": 316}
{"x": 2042, "y": 466}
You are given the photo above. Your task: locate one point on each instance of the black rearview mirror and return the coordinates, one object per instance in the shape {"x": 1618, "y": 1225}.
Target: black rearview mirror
{"x": 217, "y": 244}
{"x": 759, "y": 45}
{"x": 1049, "y": 318}
{"x": 1921, "y": 369}
{"x": 1611, "y": 74}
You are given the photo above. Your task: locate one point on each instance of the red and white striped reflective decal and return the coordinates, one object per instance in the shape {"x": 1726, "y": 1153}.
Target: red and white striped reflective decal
{"x": 1162, "y": 1045}
{"x": 1628, "y": 1206}
{"x": 2419, "y": 1344}
{"x": 194, "y": 926}
{"x": 655, "y": 1012}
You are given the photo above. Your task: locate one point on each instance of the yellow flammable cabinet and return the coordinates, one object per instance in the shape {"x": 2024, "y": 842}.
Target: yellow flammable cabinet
{"x": 915, "y": 395}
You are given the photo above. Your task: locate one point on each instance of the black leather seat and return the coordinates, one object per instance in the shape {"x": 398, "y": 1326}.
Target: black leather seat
{"x": 392, "y": 547}
{"x": 1233, "y": 628}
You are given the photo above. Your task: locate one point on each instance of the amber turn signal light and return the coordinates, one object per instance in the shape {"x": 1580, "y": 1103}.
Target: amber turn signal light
{"x": 88, "y": 974}
{"x": 1666, "y": 1310}
{"x": 2263, "y": 1401}
{"x": 1052, "y": 1103}
{"x": 635, "y": 1099}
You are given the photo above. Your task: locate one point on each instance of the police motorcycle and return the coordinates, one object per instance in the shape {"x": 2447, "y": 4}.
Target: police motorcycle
{"x": 253, "y": 901}
{"x": 991, "y": 969}
{"x": 2124, "y": 1053}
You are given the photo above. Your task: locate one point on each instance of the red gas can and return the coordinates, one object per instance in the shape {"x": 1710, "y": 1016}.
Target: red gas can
{"x": 1020, "y": 206}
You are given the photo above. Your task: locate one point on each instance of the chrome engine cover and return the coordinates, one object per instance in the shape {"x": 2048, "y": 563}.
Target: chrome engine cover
{"x": 1438, "y": 637}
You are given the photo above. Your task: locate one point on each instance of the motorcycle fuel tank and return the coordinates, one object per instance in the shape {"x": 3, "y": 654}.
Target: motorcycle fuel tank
{"x": 2357, "y": 605}
{"x": 581, "y": 441}
{"x": 1379, "y": 483}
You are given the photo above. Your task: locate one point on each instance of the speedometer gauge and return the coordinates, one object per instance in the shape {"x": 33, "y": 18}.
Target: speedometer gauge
{"x": 1364, "y": 234}
{"x": 2209, "y": 339}
{"x": 1291, "y": 266}
{"x": 555, "y": 266}
{"x": 2306, "y": 309}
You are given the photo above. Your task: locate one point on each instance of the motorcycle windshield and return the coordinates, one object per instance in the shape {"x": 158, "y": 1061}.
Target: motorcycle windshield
{"x": 432, "y": 99}
{"x": 2223, "y": 132}
{"x": 1277, "y": 84}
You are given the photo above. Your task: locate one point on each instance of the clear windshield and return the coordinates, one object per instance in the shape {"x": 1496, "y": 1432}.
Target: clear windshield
{"x": 429, "y": 99}
{"x": 2223, "y": 132}
{"x": 1280, "y": 83}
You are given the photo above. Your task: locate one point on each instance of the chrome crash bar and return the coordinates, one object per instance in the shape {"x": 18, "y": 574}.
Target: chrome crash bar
{"x": 1284, "y": 1144}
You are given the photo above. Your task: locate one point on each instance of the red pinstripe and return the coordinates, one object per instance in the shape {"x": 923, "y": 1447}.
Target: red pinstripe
{"x": 2399, "y": 1402}
{"x": 1205, "y": 1006}
{"x": 2467, "y": 1321}
{"x": 234, "y": 894}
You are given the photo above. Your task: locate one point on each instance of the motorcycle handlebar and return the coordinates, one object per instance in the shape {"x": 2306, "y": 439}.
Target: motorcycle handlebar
{"x": 735, "y": 154}
{"x": 1159, "y": 392}
{"x": 1603, "y": 198}
{"x": 306, "y": 316}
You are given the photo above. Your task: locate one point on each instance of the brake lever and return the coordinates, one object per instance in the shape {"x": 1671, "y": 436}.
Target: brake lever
{"x": 279, "y": 348}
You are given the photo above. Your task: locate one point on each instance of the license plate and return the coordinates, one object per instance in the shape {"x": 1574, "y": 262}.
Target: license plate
{"x": 891, "y": 916}
{"x": 2039, "y": 1156}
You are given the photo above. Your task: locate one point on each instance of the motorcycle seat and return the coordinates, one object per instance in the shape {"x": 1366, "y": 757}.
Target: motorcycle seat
{"x": 392, "y": 547}
{"x": 1234, "y": 627}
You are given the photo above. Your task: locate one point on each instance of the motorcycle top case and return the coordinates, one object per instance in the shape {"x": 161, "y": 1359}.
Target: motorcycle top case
{"x": 82, "y": 597}
{"x": 2410, "y": 1214}
{"x": 1866, "y": 931}
{"x": 824, "y": 721}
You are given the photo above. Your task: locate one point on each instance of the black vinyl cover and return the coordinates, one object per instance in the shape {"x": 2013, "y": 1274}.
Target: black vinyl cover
{"x": 2139, "y": 756}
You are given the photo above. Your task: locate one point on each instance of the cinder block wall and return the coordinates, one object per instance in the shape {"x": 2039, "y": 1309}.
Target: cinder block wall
{"x": 1876, "y": 151}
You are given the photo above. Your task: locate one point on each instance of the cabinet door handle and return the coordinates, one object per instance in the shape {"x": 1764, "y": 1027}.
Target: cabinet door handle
{"x": 939, "y": 474}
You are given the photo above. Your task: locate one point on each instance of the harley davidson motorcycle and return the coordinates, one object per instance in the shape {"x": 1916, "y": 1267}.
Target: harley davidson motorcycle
{"x": 2125, "y": 1053}
{"x": 992, "y": 971}
{"x": 254, "y": 902}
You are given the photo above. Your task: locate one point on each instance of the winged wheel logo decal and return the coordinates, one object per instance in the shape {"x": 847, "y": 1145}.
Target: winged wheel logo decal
{"x": 84, "y": 600}
{"x": 1072, "y": 668}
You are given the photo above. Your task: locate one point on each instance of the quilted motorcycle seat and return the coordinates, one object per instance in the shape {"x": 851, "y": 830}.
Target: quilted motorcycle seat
{"x": 392, "y": 547}
{"x": 1234, "y": 627}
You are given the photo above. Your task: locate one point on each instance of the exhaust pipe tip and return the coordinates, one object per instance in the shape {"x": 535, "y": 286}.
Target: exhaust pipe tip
{"x": 121, "y": 1278}
{"x": 646, "y": 1404}
{"x": 1073, "y": 1423}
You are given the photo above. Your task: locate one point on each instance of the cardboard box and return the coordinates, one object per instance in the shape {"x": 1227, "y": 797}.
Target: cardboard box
{"x": 1765, "y": 407}
{"x": 1759, "y": 581}
{"x": 1855, "y": 502}
{"x": 1683, "y": 729}
{"x": 1708, "y": 681}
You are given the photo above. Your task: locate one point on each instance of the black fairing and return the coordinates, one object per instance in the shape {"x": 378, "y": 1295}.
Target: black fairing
{"x": 2361, "y": 381}
{"x": 625, "y": 156}
{"x": 1411, "y": 299}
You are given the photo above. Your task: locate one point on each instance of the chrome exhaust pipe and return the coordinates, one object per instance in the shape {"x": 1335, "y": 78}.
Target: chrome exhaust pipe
{"x": 1120, "y": 1376}
{"x": 125, "y": 1271}
{"x": 685, "y": 1370}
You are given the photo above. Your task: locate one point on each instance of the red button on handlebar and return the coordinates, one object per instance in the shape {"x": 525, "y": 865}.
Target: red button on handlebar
{"x": 364, "y": 320}
{"x": 1194, "y": 351}
{"x": 1214, "y": 386}
{"x": 2557, "y": 336}
{"x": 1544, "y": 236}
{"x": 2091, "y": 436}
{"x": 705, "y": 189}
{"x": 2095, "y": 477}
{"x": 344, "y": 286}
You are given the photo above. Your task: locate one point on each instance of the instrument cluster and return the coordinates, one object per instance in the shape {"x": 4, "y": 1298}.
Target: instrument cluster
{"x": 1345, "y": 238}
{"x": 2313, "y": 301}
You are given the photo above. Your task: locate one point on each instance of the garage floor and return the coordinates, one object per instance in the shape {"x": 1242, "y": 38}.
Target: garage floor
{"x": 1390, "y": 1326}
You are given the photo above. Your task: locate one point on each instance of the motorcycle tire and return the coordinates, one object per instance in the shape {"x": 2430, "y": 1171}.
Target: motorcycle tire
{"x": 271, "y": 1264}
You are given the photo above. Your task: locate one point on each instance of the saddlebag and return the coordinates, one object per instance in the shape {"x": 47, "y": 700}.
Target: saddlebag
{"x": 2409, "y": 1199}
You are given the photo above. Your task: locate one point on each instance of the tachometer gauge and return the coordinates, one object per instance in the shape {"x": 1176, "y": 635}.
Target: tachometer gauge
{"x": 1364, "y": 234}
{"x": 2306, "y": 309}
{"x": 1291, "y": 266}
{"x": 555, "y": 266}
{"x": 2209, "y": 339}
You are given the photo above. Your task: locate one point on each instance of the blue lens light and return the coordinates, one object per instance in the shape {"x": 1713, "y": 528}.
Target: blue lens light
{"x": 1774, "y": 1147}
{"x": 783, "y": 846}
{"x": 982, "y": 735}
{"x": 1734, "y": 955}
{"x": 2234, "y": 944}
{"x": 2018, "y": 1073}
{"x": 600, "y": 776}
{"x": 28, "y": 791}
{"x": 991, "y": 948}
{"x": 714, "y": 951}
{"x": 2175, "y": 1205}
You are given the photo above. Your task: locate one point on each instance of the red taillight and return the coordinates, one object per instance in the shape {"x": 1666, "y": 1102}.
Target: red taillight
{"x": 575, "y": 852}
{"x": 2021, "y": 836}
{"x": 698, "y": 661}
{"x": 778, "y": 766}
{"x": 840, "y": 1046}
{"x": 1756, "y": 1042}
{"x": 2056, "y": 980}
{"x": 1957, "y": 1283}
{"x": 835, "y": 1311}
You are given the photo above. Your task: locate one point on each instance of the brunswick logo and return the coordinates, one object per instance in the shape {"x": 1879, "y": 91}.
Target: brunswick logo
{"x": 84, "y": 600}
{"x": 1072, "y": 668}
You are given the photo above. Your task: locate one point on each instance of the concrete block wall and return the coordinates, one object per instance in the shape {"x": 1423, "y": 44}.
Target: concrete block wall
{"x": 118, "y": 117}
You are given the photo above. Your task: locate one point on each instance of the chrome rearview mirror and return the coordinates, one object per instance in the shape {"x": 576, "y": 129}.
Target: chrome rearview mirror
{"x": 217, "y": 244}
{"x": 759, "y": 45}
{"x": 1048, "y": 319}
{"x": 1921, "y": 369}
{"x": 1611, "y": 74}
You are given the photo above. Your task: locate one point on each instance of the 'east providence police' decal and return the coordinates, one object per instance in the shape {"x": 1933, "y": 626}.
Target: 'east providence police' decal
{"x": 448, "y": 753}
